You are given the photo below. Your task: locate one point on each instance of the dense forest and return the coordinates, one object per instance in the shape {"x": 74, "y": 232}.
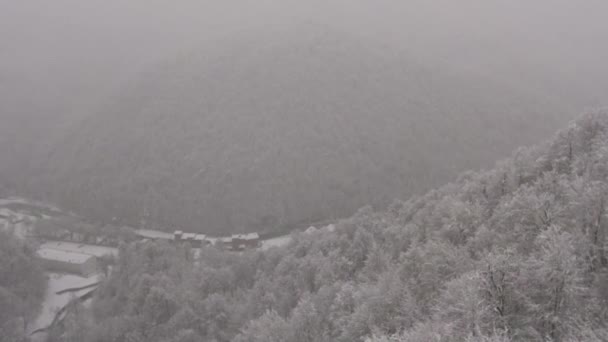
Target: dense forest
{"x": 516, "y": 253}
{"x": 281, "y": 127}
{"x": 22, "y": 286}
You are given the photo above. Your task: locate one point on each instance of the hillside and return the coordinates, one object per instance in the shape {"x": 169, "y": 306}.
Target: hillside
{"x": 283, "y": 127}
{"x": 516, "y": 253}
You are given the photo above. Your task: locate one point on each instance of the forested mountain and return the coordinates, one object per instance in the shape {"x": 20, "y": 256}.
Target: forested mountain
{"x": 480, "y": 65}
{"x": 285, "y": 126}
{"x": 22, "y": 286}
{"x": 516, "y": 253}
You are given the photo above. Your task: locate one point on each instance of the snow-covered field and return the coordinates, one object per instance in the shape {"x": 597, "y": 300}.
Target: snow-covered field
{"x": 98, "y": 251}
{"x": 54, "y": 302}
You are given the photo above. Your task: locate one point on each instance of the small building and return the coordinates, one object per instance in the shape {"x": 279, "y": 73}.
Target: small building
{"x": 224, "y": 242}
{"x": 195, "y": 240}
{"x": 154, "y": 235}
{"x": 60, "y": 261}
{"x": 200, "y": 240}
{"x": 245, "y": 241}
{"x": 188, "y": 237}
{"x": 53, "y": 234}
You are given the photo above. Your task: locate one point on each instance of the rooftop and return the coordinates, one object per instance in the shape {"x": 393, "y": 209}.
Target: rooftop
{"x": 154, "y": 234}
{"x": 189, "y": 236}
{"x": 63, "y": 256}
{"x": 98, "y": 251}
{"x": 251, "y": 236}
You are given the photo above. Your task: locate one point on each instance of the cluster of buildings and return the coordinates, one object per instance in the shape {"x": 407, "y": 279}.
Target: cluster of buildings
{"x": 236, "y": 242}
{"x": 83, "y": 259}
{"x": 239, "y": 242}
{"x": 72, "y": 255}
{"x": 79, "y": 253}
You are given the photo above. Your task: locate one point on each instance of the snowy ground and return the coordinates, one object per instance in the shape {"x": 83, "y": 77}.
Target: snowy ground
{"x": 98, "y": 251}
{"x": 276, "y": 242}
{"x": 154, "y": 234}
{"x": 54, "y": 302}
{"x": 11, "y": 200}
{"x": 284, "y": 240}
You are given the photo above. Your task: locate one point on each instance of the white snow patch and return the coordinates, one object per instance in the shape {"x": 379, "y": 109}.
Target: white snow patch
{"x": 98, "y": 251}
{"x": 54, "y": 302}
{"x": 154, "y": 234}
{"x": 276, "y": 242}
{"x": 19, "y": 200}
{"x": 9, "y": 200}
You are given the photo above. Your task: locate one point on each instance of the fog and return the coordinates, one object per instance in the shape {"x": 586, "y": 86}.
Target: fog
{"x": 65, "y": 46}
{"x": 64, "y": 61}
{"x": 303, "y": 170}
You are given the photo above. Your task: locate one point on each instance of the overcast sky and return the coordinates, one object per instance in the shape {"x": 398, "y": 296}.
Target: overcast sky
{"x": 92, "y": 46}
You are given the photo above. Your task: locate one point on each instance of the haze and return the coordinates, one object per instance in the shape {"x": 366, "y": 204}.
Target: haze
{"x": 303, "y": 170}
{"x": 65, "y": 61}
{"x": 56, "y": 49}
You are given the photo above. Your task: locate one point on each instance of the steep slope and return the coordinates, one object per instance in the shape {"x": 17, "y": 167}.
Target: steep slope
{"x": 285, "y": 127}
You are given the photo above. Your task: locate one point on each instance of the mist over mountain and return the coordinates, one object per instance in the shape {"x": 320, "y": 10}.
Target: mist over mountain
{"x": 282, "y": 127}
{"x": 441, "y": 70}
